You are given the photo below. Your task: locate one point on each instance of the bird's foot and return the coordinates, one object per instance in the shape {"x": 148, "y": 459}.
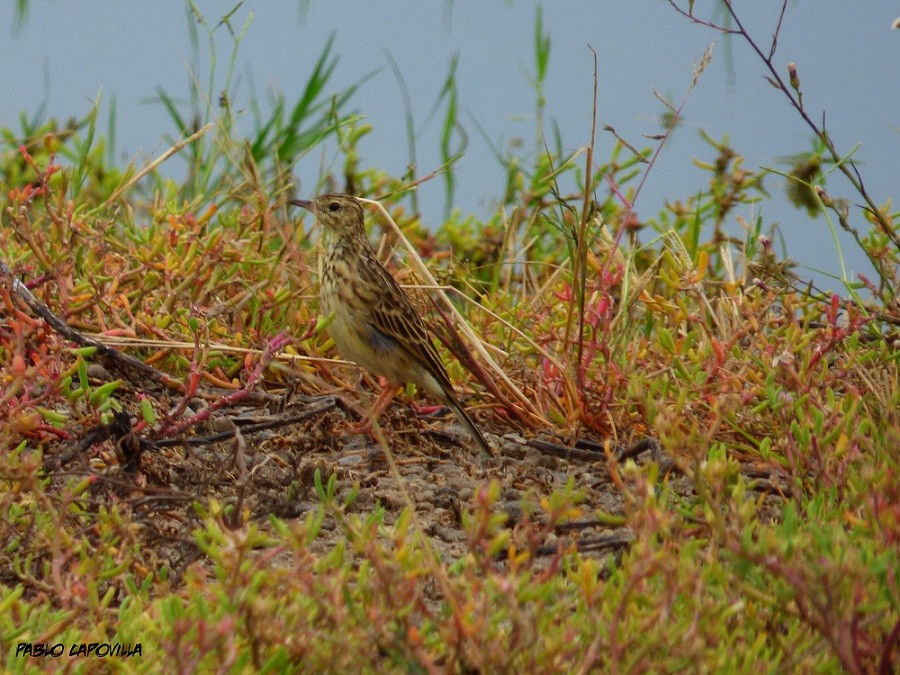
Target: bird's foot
{"x": 362, "y": 427}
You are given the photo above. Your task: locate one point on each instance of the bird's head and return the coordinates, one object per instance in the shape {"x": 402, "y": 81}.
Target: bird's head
{"x": 340, "y": 215}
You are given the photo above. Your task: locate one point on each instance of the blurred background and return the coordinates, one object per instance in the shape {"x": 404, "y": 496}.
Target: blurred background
{"x": 512, "y": 75}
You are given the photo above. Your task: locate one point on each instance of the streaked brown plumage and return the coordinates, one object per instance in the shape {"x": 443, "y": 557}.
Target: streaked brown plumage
{"x": 374, "y": 324}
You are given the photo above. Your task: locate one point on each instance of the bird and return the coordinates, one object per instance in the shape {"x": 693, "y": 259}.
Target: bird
{"x": 373, "y": 322}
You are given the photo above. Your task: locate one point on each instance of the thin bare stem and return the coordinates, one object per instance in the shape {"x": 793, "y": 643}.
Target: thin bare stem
{"x": 792, "y": 92}
{"x": 119, "y": 191}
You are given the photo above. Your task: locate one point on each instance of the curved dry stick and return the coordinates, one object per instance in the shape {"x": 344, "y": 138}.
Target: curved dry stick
{"x": 464, "y": 325}
{"x": 113, "y": 359}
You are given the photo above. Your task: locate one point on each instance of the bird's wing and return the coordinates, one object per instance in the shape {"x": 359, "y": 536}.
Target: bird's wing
{"x": 398, "y": 319}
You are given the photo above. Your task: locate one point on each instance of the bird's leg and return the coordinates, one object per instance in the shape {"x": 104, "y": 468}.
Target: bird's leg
{"x": 387, "y": 394}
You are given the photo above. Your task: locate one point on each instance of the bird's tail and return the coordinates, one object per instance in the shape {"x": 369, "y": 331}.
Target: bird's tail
{"x": 469, "y": 424}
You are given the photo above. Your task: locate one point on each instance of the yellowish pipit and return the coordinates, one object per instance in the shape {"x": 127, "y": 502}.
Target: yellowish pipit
{"x": 374, "y": 324}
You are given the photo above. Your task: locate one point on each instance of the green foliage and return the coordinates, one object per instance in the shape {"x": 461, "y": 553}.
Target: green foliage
{"x": 766, "y": 535}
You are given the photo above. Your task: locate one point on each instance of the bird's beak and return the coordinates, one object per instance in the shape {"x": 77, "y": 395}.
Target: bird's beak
{"x": 303, "y": 204}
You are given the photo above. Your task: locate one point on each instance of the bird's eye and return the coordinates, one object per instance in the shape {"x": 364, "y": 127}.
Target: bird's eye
{"x": 334, "y": 206}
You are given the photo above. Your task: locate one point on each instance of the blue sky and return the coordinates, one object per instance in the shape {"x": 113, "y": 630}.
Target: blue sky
{"x": 847, "y": 56}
